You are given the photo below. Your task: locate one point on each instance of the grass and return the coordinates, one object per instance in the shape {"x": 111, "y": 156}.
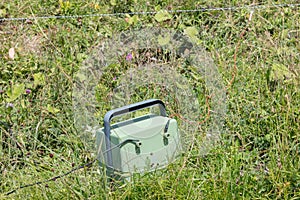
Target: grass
{"x": 258, "y": 155}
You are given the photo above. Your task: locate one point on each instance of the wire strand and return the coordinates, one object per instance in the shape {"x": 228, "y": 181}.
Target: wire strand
{"x": 53, "y": 178}
{"x": 233, "y": 8}
{"x": 68, "y": 172}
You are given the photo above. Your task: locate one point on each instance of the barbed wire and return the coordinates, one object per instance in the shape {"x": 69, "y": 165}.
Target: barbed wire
{"x": 233, "y": 8}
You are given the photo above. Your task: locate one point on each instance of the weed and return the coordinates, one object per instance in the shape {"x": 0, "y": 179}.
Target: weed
{"x": 258, "y": 156}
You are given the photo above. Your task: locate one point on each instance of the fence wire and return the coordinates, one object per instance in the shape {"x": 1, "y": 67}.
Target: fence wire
{"x": 233, "y": 8}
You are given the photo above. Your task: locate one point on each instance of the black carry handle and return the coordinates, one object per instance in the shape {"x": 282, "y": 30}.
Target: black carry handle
{"x": 123, "y": 110}
{"x": 133, "y": 107}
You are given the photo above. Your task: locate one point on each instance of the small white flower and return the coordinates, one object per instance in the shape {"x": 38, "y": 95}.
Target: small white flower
{"x": 9, "y": 105}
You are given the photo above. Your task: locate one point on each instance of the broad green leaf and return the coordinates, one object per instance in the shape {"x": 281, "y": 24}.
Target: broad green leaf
{"x": 113, "y": 2}
{"x": 280, "y": 72}
{"x": 39, "y": 79}
{"x": 162, "y": 15}
{"x": 191, "y": 31}
{"x": 16, "y": 91}
{"x": 79, "y": 57}
{"x": 157, "y": 8}
{"x": 80, "y": 77}
{"x": 2, "y": 12}
{"x": 163, "y": 41}
{"x": 29, "y": 85}
{"x": 133, "y": 20}
{"x": 52, "y": 109}
{"x": 23, "y": 103}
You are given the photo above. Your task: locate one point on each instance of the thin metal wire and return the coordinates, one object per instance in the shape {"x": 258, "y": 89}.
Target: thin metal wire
{"x": 233, "y": 8}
